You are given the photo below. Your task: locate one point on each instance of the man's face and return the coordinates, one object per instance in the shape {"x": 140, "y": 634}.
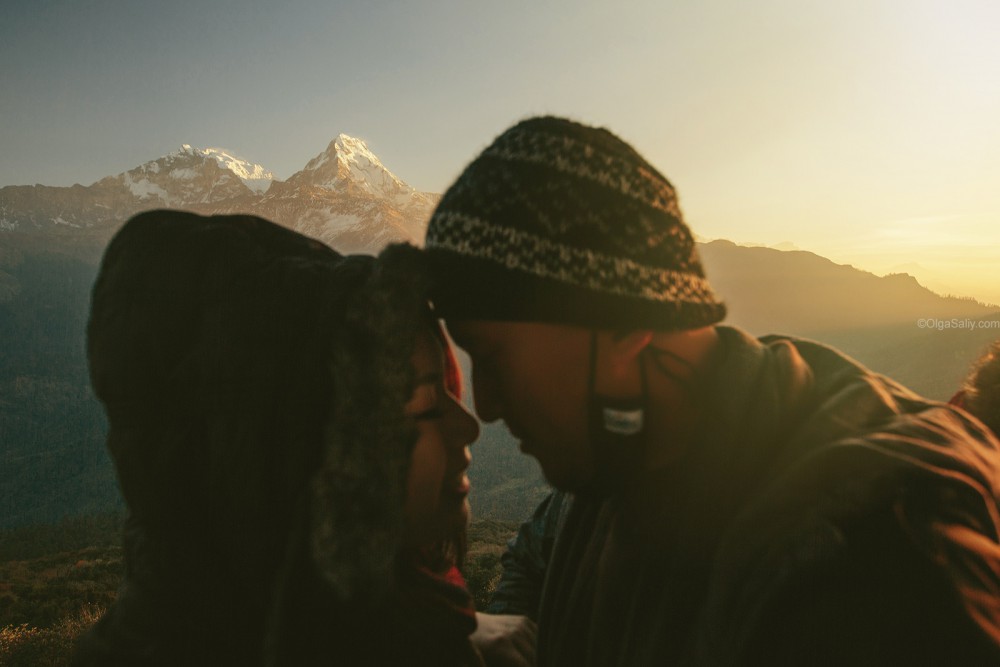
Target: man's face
{"x": 534, "y": 377}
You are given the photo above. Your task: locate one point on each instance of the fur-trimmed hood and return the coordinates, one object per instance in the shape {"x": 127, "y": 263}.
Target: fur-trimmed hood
{"x": 254, "y": 382}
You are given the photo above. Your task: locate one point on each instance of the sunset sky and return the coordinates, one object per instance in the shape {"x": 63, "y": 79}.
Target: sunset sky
{"x": 866, "y": 131}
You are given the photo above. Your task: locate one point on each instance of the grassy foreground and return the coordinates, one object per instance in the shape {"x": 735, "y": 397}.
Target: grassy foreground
{"x": 55, "y": 583}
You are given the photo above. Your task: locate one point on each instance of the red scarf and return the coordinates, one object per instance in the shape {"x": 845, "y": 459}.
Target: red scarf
{"x": 445, "y": 594}
{"x": 435, "y": 615}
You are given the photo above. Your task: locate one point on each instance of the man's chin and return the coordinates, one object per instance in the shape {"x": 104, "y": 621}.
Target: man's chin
{"x": 565, "y": 480}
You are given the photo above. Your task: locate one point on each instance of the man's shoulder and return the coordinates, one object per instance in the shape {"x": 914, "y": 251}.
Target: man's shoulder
{"x": 782, "y": 398}
{"x": 830, "y": 366}
{"x": 826, "y": 366}
{"x": 870, "y": 469}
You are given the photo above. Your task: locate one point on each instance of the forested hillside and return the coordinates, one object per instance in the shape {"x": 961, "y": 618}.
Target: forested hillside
{"x": 52, "y": 428}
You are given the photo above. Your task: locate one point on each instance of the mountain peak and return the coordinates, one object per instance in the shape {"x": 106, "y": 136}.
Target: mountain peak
{"x": 346, "y": 142}
{"x": 189, "y": 176}
{"x": 253, "y": 175}
{"x": 786, "y": 246}
{"x": 347, "y": 162}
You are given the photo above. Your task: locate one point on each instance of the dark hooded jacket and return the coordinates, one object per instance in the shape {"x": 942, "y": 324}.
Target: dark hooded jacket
{"x": 254, "y": 382}
{"x": 824, "y": 515}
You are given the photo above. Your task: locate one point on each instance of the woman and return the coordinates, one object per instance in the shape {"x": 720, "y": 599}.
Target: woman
{"x": 288, "y": 440}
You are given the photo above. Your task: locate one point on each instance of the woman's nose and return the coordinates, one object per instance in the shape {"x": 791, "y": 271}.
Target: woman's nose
{"x": 466, "y": 427}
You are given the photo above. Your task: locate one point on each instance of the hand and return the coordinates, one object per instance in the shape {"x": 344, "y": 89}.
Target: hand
{"x": 505, "y": 640}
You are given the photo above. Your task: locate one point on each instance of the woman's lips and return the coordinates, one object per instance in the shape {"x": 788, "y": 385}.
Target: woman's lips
{"x": 461, "y": 487}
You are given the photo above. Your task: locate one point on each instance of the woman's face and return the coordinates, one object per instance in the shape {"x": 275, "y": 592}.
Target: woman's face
{"x": 437, "y": 486}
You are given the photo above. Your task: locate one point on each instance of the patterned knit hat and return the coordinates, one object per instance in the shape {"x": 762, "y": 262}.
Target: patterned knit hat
{"x": 565, "y": 223}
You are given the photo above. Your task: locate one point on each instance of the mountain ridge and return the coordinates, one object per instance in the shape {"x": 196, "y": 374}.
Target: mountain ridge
{"x": 769, "y": 290}
{"x": 344, "y": 196}
{"x": 52, "y": 428}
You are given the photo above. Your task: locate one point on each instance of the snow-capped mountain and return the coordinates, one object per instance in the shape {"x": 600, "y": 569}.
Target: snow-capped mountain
{"x": 344, "y": 196}
{"x": 349, "y": 161}
{"x": 184, "y": 177}
{"x": 347, "y": 198}
{"x": 253, "y": 175}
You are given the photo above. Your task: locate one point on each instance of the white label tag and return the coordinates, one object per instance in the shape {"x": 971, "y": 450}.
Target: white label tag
{"x": 623, "y": 422}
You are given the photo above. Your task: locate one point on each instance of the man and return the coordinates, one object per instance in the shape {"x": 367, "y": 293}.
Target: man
{"x": 729, "y": 501}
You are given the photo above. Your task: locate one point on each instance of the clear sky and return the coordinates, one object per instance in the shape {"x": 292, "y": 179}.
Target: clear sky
{"x": 864, "y": 130}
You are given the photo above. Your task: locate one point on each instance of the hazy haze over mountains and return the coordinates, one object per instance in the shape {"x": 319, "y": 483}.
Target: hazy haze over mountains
{"x": 51, "y": 238}
{"x": 875, "y": 319}
{"x": 770, "y": 290}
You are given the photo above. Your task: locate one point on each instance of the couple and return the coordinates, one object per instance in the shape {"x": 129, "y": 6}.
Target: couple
{"x": 288, "y": 438}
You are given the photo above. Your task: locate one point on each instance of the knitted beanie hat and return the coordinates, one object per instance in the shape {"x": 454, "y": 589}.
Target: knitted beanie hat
{"x": 560, "y": 222}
